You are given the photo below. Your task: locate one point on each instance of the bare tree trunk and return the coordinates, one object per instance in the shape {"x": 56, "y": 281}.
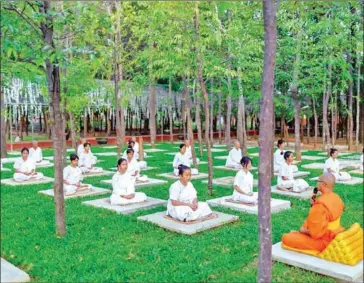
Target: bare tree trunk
{"x": 108, "y": 122}
{"x": 357, "y": 107}
{"x": 54, "y": 89}
{"x": 205, "y": 96}
{"x": 308, "y": 128}
{"x": 198, "y": 118}
{"x": 170, "y": 110}
{"x": 241, "y": 128}
{"x": 219, "y": 114}
{"x": 265, "y": 144}
{"x": 325, "y": 124}
{"x": 350, "y": 128}
{"x": 85, "y": 124}
{"x": 212, "y": 113}
{"x": 228, "y": 114}
{"x": 3, "y": 125}
{"x": 316, "y": 121}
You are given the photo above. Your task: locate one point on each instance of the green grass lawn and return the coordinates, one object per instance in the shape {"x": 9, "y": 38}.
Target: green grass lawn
{"x": 102, "y": 246}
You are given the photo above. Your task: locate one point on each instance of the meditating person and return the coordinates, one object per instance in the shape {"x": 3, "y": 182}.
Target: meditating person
{"x": 123, "y": 190}
{"x": 88, "y": 160}
{"x": 72, "y": 177}
{"x": 323, "y": 221}
{"x": 189, "y": 151}
{"x": 286, "y": 182}
{"x": 332, "y": 165}
{"x": 235, "y": 155}
{"x": 243, "y": 183}
{"x": 136, "y": 147}
{"x": 142, "y": 163}
{"x": 133, "y": 167}
{"x": 183, "y": 204}
{"x": 182, "y": 158}
{"x": 278, "y": 157}
{"x": 25, "y": 168}
{"x": 35, "y": 153}
{"x": 80, "y": 147}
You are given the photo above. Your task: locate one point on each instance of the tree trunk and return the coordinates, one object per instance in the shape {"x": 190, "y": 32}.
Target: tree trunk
{"x": 316, "y": 122}
{"x": 325, "y": 124}
{"x": 108, "y": 122}
{"x": 228, "y": 114}
{"x": 53, "y": 79}
{"x": 73, "y": 131}
{"x": 350, "y": 128}
{"x": 85, "y": 124}
{"x": 357, "y": 107}
{"x": 241, "y": 128}
{"x": 205, "y": 96}
{"x": 3, "y": 152}
{"x": 265, "y": 144}
{"x": 170, "y": 110}
{"x": 308, "y": 128}
{"x": 198, "y": 118}
{"x": 212, "y": 113}
{"x": 219, "y": 114}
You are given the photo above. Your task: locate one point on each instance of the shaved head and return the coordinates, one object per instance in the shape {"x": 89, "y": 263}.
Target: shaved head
{"x": 237, "y": 144}
{"x": 326, "y": 181}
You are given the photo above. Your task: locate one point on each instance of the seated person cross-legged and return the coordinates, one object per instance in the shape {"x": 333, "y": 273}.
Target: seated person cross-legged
{"x": 332, "y": 165}
{"x": 279, "y": 159}
{"x": 183, "y": 204}
{"x": 123, "y": 190}
{"x": 286, "y": 182}
{"x": 235, "y": 155}
{"x": 323, "y": 221}
{"x": 189, "y": 151}
{"x": 88, "y": 160}
{"x": 35, "y": 153}
{"x": 182, "y": 158}
{"x": 25, "y": 168}
{"x": 131, "y": 145}
{"x": 243, "y": 184}
{"x": 72, "y": 176}
{"x": 133, "y": 167}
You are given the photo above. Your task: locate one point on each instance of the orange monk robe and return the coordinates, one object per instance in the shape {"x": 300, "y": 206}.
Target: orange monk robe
{"x": 328, "y": 208}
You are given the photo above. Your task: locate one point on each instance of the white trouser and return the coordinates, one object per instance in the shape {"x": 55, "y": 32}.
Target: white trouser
{"x": 42, "y": 163}
{"x": 345, "y": 176}
{"x": 194, "y": 171}
{"x": 233, "y": 165}
{"x": 183, "y": 212}
{"x": 245, "y": 198}
{"x": 20, "y": 177}
{"x": 71, "y": 189}
{"x": 118, "y": 200}
{"x": 142, "y": 164}
{"x": 298, "y": 185}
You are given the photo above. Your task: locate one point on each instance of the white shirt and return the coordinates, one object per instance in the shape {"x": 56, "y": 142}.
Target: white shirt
{"x": 80, "y": 149}
{"x": 122, "y": 184}
{"x": 188, "y": 152}
{"x": 87, "y": 159}
{"x": 136, "y": 148}
{"x": 234, "y": 157}
{"x": 133, "y": 166}
{"x": 244, "y": 181}
{"x": 135, "y": 156}
{"x": 24, "y": 166}
{"x": 36, "y": 154}
{"x": 182, "y": 193}
{"x": 73, "y": 175}
{"x": 278, "y": 158}
{"x": 332, "y": 164}
{"x": 286, "y": 171}
{"x": 179, "y": 159}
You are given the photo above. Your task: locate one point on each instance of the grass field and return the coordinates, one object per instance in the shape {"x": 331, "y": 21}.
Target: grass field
{"x": 102, "y": 246}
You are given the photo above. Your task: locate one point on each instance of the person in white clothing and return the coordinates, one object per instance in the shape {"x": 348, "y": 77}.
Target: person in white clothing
{"x": 332, "y": 165}
{"x": 279, "y": 159}
{"x": 72, "y": 177}
{"x": 286, "y": 181}
{"x": 183, "y": 204}
{"x": 189, "y": 151}
{"x": 133, "y": 167}
{"x": 136, "y": 147}
{"x": 142, "y": 163}
{"x": 88, "y": 160}
{"x": 25, "y": 168}
{"x": 35, "y": 153}
{"x": 182, "y": 158}
{"x": 123, "y": 190}
{"x": 234, "y": 158}
{"x": 81, "y": 147}
{"x": 243, "y": 183}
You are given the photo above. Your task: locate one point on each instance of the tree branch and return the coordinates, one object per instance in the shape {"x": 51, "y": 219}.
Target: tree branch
{"x": 26, "y": 19}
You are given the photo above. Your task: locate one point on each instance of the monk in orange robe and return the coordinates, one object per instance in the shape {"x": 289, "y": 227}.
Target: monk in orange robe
{"x": 323, "y": 221}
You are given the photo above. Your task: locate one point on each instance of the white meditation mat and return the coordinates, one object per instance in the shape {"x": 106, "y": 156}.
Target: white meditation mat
{"x": 142, "y": 169}
{"x": 149, "y": 144}
{"x": 126, "y": 209}
{"x": 307, "y": 262}
{"x": 298, "y": 174}
{"x": 14, "y": 153}
{"x": 222, "y": 167}
{"x": 353, "y": 181}
{"x": 357, "y": 171}
{"x": 219, "y": 145}
{"x": 188, "y": 229}
{"x": 11, "y": 182}
{"x": 171, "y": 153}
{"x": 94, "y": 191}
{"x": 51, "y": 158}
{"x": 71, "y": 150}
{"x": 10, "y": 273}
{"x": 200, "y": 163}
{"x": 106, "y": 153}
{"x": 9, "y": 160}
{"x": 314, "y": 158}
{"x": 5, "y": 169}
{"x": 138, "y": 185}
{"x": 85, "y": 175}
{"x": 226, "y": 182}
{"x": 340, "y": 154}
{"x": 304, "y": 195}
{"x": 276, "y": 204}
{"x": 221, "y": 157}
{"x": 216, "y": 150}
{"x": 44, "y": 165}
{"x": 343, "y": 164}
{"x": 154, "y": 150}
{"x": 193, "y": 177}
{"x": 109, "y": 147}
